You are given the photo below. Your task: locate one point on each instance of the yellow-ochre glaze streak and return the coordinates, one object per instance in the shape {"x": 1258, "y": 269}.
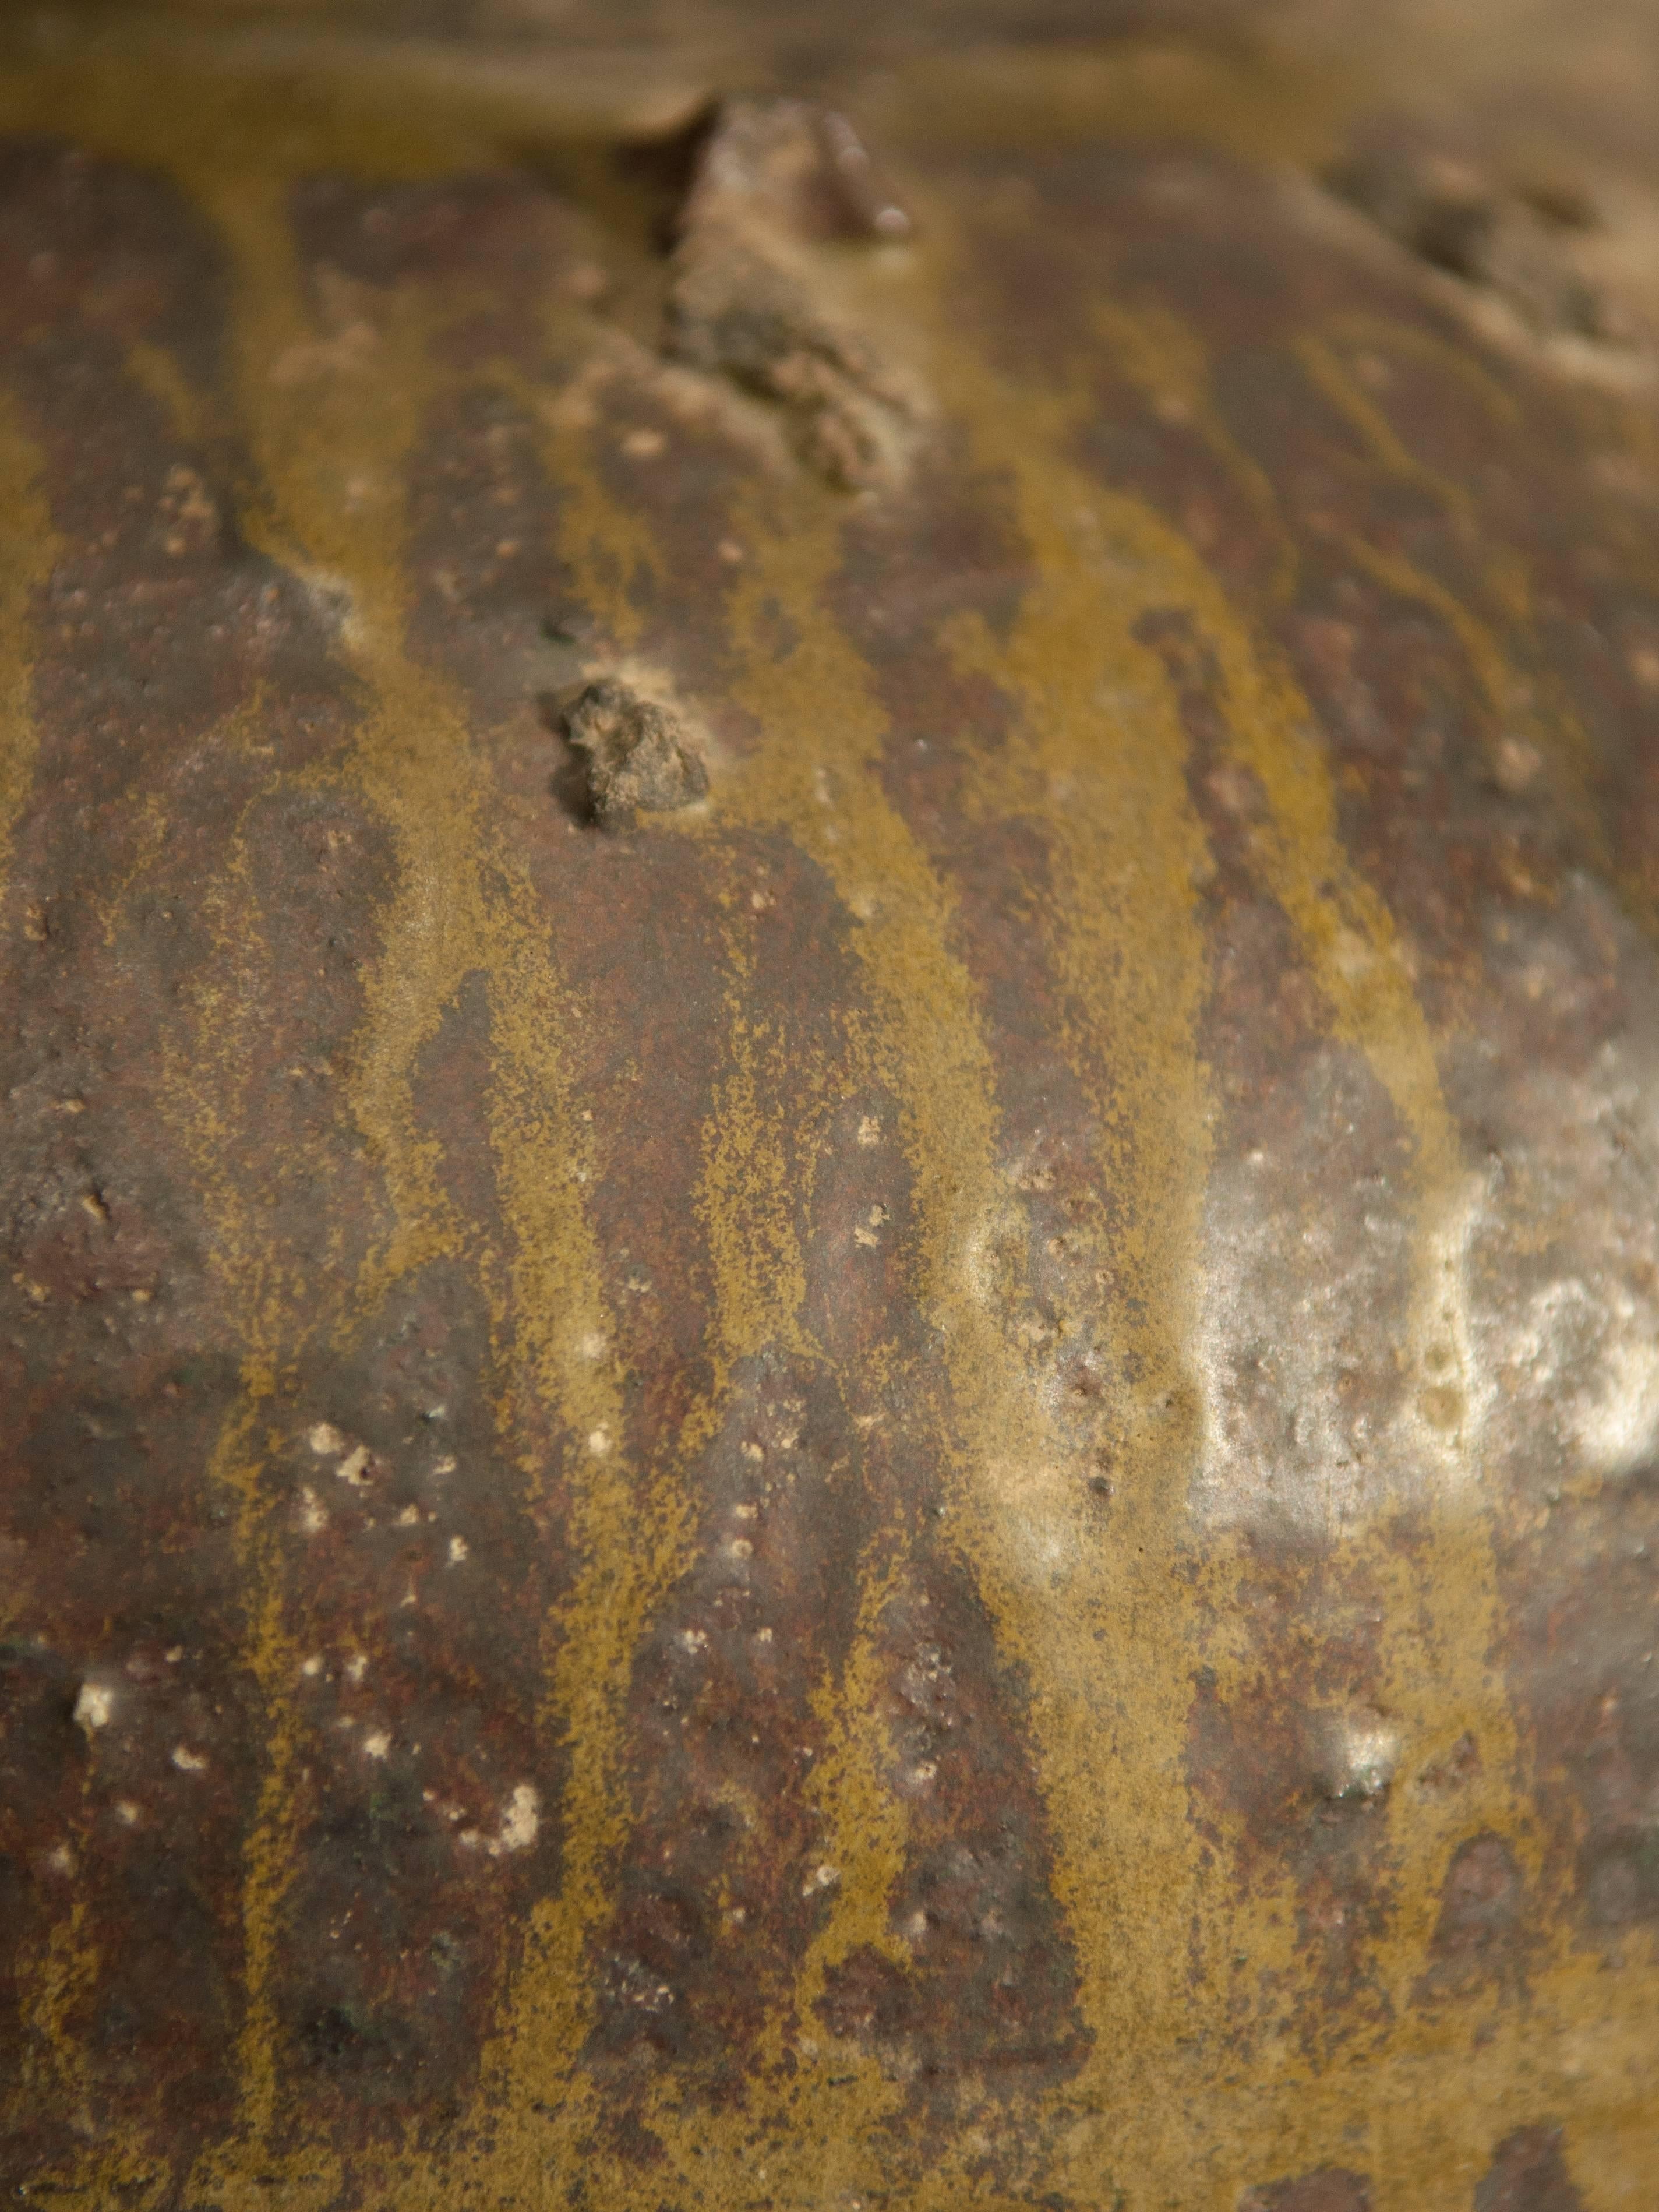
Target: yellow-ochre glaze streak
{"x": 328, "y": 436}
{"x": 1164, "y": 357}
{"x": 606, "y": 543}
{"x": 29, "y": 547}
{"x": 758, "y": 1180}
{"x": 1104, "y": 1628}
{"x": 56, "y": 1982}
{"x": 1525, "y": 707}
{"x": 60, "y": 1988}
{"x": 537, "y": 2094}
{"x": 305, "y": 434}
{"x": 1097, "y": 777}
{"x": 260, "y": 1287}
{"x": 866, "y": 1825}
{"x": 820, "y": 732}
{"x": 463, "y": 904}
{"x": 631, "y": 1539}
{"x": 804, "y": 2077}
{"x": 1529, "y": 704}
{"x": 1333, "y": 380}
{"x": 1338, "y": 383}
{"x": 1019, "y": 1506}
{"x": 865, "y": 1837}
{"x": 757, "y": 1183}
{"x": 745, "y": 1201}
{"x": 1444, "y": 1682}
{"x": 756, "y": 1174}
{"x": 1379, "y": 338}
{"x": 270, "y": 1653}
{"x": 1438, "y": 1682}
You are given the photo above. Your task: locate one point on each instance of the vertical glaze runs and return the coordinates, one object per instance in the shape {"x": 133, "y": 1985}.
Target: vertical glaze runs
{"x": 932, "y": 1484}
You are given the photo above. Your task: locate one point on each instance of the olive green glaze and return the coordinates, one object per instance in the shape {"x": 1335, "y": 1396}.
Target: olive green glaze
{"x": 932, "y": 1484}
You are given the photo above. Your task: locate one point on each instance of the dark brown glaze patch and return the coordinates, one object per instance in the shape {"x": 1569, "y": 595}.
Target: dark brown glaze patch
{"x": 1331, "y": 2188}
{"x": 1528, "y": 2174}
{"x": 726, "y": 1875}
{"x": 1481, "y": 1933}
{"x": 991, "y": 1983}
{"x": 414, "y": 1619}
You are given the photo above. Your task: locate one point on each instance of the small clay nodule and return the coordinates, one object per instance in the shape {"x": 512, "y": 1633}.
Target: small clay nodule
{"x": 639, "y": 758}
{"x": 776, "y": 180}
